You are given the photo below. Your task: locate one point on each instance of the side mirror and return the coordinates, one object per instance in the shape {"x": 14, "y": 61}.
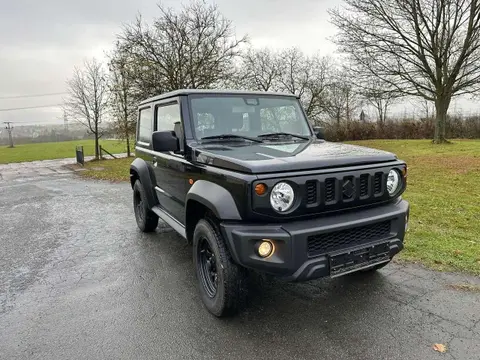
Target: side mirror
{"x": 165, "y": 141}
{"x": 319, "y": 132}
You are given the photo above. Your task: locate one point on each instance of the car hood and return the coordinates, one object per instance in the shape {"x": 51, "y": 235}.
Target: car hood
{"x": 272, "y": 157}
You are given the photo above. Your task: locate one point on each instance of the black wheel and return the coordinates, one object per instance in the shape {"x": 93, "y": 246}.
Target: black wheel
{"x": 147, "y": 220}
{"x": 222, "y": 283}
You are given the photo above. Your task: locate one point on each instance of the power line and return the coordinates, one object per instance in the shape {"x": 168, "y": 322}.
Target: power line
{"x": 30, "y": 96}
{"x": 34, "y": 122}
{"x": 31, "y": 107}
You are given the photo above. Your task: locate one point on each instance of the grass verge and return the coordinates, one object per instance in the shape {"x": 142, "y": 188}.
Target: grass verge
{"x": 112, "y": 170}
{"x": 443, "y": 192}
{"x": 55, "y": 150}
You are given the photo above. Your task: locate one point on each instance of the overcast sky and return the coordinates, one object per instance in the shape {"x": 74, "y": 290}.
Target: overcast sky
{"x": 42, "y": 40}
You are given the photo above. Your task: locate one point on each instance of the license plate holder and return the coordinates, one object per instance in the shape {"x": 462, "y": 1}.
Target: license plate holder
{"x": 342, "y": 263}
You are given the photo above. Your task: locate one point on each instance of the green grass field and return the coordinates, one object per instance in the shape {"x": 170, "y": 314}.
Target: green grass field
{"x": 55, "y": 150}
{"x": 444, "y": 195}
{"x": 443, "y": 190}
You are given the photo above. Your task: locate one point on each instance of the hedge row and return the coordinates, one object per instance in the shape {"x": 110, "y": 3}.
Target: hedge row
{"x": 456, "y": 128}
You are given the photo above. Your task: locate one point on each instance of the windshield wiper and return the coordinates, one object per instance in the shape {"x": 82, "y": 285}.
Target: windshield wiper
{"x": 278, "y": 134}
{"x": 230, "y": 136}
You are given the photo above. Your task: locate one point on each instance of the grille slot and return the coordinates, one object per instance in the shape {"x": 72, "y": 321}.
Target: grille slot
{"x": 311, "y": 192}
{"x": 329, "y": 190}
{"x": 363, "y": 185}
{"x": 378, "y": 183}
{"x": 325, "y": 243}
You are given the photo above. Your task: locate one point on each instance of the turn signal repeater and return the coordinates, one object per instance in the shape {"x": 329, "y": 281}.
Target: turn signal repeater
{"x": 265, "y": 248}
{"x": 260, "y": 189}
{"x": 404, "y": 174}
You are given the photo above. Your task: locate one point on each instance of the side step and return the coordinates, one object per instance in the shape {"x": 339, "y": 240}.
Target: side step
{"x": 172, "y": 222}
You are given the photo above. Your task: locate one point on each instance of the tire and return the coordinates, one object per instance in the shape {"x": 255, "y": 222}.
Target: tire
{"x": 147, "y": 220}
{"x": 212, "y": 260}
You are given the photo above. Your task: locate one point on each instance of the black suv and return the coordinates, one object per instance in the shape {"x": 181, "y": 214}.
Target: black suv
{"x": 246, "y": 179}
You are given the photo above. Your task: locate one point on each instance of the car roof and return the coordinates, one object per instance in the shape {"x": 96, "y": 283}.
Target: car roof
{"x": 212, "y": 92}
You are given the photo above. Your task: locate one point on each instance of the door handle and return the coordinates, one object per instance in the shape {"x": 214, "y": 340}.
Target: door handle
{"x": 155, "y": 161}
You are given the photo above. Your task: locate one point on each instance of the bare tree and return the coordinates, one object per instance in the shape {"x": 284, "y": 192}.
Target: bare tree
{"x": 306, "y": 77}
{"x": 193, "y": 48}
{"x": 427, "y": 108}
{"x": 424, "y": 48}
{"x": 123, "y": 100}
{"x": 379, "y": 95}
{"x": 259, "y": 70}
{"x": 87, "y": 99}
{"x": 342, "y": 98}
{"x": 289, "y": 71}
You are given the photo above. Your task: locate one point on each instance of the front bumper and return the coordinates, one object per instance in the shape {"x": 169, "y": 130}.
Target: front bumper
{"x": 304, "y": 249}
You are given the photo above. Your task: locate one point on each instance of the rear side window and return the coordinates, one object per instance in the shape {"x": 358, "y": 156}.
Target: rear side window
{"x": 145, "y": 125}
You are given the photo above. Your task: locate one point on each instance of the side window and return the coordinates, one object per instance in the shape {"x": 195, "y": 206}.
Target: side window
{"x": 145, "y": 125}
{"x": 167, "y": 116}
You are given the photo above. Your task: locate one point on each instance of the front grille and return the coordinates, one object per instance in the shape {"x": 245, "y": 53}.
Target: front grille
{"x": 347, "y": 189}
{"x": 311, "y": 192}
{"x": 325, "y": 243}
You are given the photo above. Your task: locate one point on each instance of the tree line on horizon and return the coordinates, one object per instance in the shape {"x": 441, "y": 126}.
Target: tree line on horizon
{"x": 426, "y": 49}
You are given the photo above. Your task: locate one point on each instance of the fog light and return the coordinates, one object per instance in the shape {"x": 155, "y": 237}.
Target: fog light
{"x": 264, "y": 248}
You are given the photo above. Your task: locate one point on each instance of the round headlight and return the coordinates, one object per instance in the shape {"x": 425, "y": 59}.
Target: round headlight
{"x": 393, "y": 181}
{"x": 281, "y": 197}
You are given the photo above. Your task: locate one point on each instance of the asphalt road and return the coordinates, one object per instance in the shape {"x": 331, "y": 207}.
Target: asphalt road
{"x": 79, "y": 281}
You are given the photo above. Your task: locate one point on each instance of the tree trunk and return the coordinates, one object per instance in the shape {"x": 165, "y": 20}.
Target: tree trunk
{"x": 96, "y": 142}
{"x": 380, "y": 115}
{"x": 385, "y": 110}
{"x": 128, "y": 145}
{"x": 441, "y": 108}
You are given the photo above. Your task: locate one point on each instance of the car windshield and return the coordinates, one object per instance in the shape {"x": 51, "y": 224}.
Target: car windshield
{"x": 248, "y": 116}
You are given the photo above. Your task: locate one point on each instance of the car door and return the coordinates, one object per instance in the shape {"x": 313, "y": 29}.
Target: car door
{"x": 170, "y": 167}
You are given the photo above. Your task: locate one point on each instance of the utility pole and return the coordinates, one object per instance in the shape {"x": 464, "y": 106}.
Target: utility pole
{"x": 9, "y": 129}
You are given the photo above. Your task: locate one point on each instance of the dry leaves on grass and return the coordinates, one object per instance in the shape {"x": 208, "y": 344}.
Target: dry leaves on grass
{"x": 440, "y": 348}
{"x": 465, "y": 287}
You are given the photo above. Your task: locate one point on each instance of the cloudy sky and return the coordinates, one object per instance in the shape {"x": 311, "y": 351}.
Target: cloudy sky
{"x": 42, "y": 40}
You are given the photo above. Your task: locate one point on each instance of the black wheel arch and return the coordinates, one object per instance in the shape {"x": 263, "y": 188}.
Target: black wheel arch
{"x": 207, "y": 200}
{"x": 215, "y": 198}
{"x": 139, "y": 170}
